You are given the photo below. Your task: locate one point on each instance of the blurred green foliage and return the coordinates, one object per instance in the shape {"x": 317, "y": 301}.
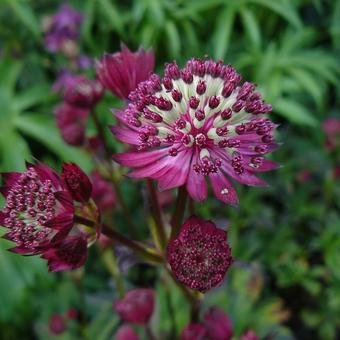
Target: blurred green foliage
{"x": 285, "y": 238}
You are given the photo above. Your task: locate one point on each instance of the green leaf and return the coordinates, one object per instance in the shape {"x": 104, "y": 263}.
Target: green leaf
{"x": 24, "y": 12}
{"x": 112, "y": 14}
{"x": 173, "y": 39}
{"x": 10, "y": 71}
{"x": 251, "y": 27}
{"x": 13, "y": 151}
{"x": 222, "y": 35}
{"x": 309, "y": 83}
{"x": 283, "y": 8}
{"x": 42, "y": 128}
{"x": 33, "y": 96}
{"x": 294, "y": 112}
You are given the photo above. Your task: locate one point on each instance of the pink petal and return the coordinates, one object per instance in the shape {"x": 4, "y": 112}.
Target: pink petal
{"x": 136, "y": 159}
{"x": 196, "y": 184}
{"x": 125, "y": 135}
{"x": 223, "y": 189}
{"x": 178, "y": 171}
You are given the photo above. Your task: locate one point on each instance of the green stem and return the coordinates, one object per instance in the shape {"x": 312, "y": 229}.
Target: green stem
{"x": 148, "y": 332}
{"x": 116, "y": 187}
{"x": 109, "y": 259}
{"x": 114, "y": 235}
{"x": 178, "y": 214}
{"x": 156, "y": 213}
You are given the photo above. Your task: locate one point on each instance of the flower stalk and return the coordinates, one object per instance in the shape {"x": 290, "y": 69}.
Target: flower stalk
{"x": 178, "y": 214}
{"x": 156, "y": 213}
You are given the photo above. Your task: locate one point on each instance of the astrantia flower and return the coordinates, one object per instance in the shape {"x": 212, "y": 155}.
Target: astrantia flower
{"x": 82, "y": 92}
{"x": 218, "y": 325}
{"x": 102, "y": 193}
{"x": 39, "y": 210}
{"x": 200, "y": 255}
{"x": 62, "y": 29}
{"x": 126, "y": 332}
{"x": 195, "y": 123}
{"x": 71, "y": 121}
{"x": 331, "y": 127}
{"x": 57, "y": 324}
{"x": 194, "y": 331}
{"x": 249, "y": 335}
{"x": 137, "y": 306}
{"x": 121, "y": 72}
{"x": 43, "y": 219}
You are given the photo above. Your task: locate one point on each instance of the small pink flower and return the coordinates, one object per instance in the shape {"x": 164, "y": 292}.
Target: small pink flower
{"x": 71, "y": 121}
{"x": 72, "y": 314}
{"x": 218, "y": 325}
{"x": 194, "y": 331}
{"x": 197, "y": 122}
{"x": 137, "y": 306}
{"x": 77, "y": 182}
{"x": 331, "y": 127}
{"x": 126, "y": 332}
{"x": 336, "y": 172}
{"x": 39, "y": 210}
{"x": 82, "y": 92}
{"x": 249, "y": 335}
{"x": 121, "y": 72}
{"x": 57, "y": 324}
{"x": 200, "y": 255}
{"x": 103, "y": 193}
{"x": 43, "y": 219}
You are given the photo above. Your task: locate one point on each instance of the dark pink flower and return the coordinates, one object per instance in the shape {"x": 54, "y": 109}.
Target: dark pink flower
{"x": 137, "y": 306}
{"x": 194, "y": 331}
{"x": 70, "y": 254}
{"x": 249, "y": 335}
{"x": 62, "y": 29}
{"x": 77, "y": 182}
{"x": 126, "y": 332}
{"x": 200, "y": 255}
{"x": 121, "y": 72}
{"x": 331, "y": 127}
{"x": 72, "y": 314}
{"x": 39, "y": 210}
{"x": 43, "y": 219}
{"x": 57, "y": 324}
{"x": 102, "y": 193}
{"x": 336, "y": 172}
{"x": 105, "y": 242}
{"x": 303, "y": 176}
{"x": 195, "y": 123}
{"x": 218, "y": 325}
{"x": 80, "y": 91}
{"x": 71, "y": 121}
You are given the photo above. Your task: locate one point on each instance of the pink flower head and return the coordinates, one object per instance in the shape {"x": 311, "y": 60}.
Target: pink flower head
{"x": 57, "y": 324}
{"x": 41, "y": 217}
{"x": 77, "y": 182}
{"x": 38, "y": 211}
{"x": 200, "y": 255}
{"x": 218, "y": 325}
{"x": 195, "y": 123}
{"x": 62, "y": 29}
{"x": 121, "y": 72}
{"x": 126, "y": 332}
{"x": 249, "y": 335}
{"x": 194, "y": 331}
{"x": 103, "y": 193}
{"x": 71, "y": 121}
{"x": 72, "y": 314}
{"x": 137, "y": 306}
{"x": 331, "y": 127}
{"x": 82, "y": 92}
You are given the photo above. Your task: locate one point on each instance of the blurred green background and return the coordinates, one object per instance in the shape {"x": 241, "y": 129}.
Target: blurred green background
{"x": 285, "y": 238}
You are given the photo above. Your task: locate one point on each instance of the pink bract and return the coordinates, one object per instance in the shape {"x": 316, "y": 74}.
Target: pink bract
{"x": 200, "y": 255}
{"x": 194, "y": 123}
{"x": 137, "y": 306}
{"x": 218, "y": 325}
{"x": 121, "y": 72}
{"x": 194, "y": 331}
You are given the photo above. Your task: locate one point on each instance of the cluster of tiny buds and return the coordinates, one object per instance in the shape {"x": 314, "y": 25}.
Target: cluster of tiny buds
{"x": 30, "y": 204}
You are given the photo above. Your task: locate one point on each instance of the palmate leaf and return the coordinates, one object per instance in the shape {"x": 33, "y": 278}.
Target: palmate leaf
{"x": 294, "y": 112}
